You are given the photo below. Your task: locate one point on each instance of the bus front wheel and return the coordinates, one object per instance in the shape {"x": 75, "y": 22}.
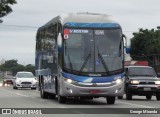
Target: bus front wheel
{"x": 61, "y": 99}
{"x": 111, "y": 99}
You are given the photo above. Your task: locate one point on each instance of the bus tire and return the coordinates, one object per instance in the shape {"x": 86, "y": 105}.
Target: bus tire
{"x": 110, "y": 99}
{"x": 56, "y": 86}
{"x": 61, "y": 99}
{"x": 43, "y": 94}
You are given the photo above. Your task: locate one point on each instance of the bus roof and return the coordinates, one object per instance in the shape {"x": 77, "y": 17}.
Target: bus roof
{"x": 81, "y": 18}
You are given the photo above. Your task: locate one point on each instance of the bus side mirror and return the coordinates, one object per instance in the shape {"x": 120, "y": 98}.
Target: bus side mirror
{"x": 59, "y": 42}
{"x": 127, "y": 49}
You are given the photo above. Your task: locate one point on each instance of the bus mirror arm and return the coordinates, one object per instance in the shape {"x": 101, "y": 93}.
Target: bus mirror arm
{"x": 59, "y": 42}
{"x": 124, "y": 37}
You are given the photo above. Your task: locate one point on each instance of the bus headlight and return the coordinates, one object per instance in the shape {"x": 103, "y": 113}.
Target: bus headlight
{"x": 134, "y": 82}
{"x": 70, "y": 81}
{"x": 118, "y": 81}
{"x": 157, "y": 82}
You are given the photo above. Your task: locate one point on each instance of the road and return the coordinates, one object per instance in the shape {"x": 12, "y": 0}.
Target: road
{"x": 26, "y": 98}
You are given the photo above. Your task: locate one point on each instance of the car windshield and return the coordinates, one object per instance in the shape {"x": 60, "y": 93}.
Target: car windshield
{"x": 25, "y": 75}
{"x": 141, "y": 71}
{"x": 93, "y": 51}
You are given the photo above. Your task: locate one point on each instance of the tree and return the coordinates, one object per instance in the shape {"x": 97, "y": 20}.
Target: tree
{"x": 145, "y": 46}
{"x": 14, "y": 67}
{"x": 17, "y": 68}
{"x": 145, "y": 42}
{"x": 30, "y": 68}
{"x": 10, "y": 63}
{"x": 5, "y": 8}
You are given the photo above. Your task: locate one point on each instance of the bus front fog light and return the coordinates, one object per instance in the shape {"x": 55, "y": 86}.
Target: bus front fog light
{"x": 118, "y": 90}
{"x": 69, "y": 90}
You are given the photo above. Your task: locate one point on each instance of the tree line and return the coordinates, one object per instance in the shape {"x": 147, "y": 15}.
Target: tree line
{"x": 145, "y": 42}
{"x": 145, "y": 46}
{"x": 14, "y": 67}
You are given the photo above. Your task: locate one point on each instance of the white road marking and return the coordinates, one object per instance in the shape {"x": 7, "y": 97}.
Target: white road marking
{"x": 21, "y": 94}
{"x": 16, "y": 93}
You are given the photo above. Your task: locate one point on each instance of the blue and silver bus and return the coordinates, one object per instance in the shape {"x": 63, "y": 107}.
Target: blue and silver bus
{"x": 80, "y": 55}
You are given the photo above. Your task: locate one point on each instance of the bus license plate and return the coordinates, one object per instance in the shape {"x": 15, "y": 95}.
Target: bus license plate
{"x": 94, "y": 91}
{"x": 147, "y": 89}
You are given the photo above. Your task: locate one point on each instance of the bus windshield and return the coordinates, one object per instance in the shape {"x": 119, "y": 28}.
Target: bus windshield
{"x": 93, "y": 50}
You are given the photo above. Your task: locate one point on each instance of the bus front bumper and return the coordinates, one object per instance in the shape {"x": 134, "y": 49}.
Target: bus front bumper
{"x": 92, "y": 89}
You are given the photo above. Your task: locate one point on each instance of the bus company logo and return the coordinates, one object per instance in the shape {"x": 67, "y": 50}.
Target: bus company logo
{"x": 95, "y": 75}
{"x": 78, "y": 31}
{"x": 6, "y": 111}
{"x": 99, "y": 32}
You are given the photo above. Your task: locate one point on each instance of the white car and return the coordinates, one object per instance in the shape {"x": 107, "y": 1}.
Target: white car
{"x": 24, "y": 80}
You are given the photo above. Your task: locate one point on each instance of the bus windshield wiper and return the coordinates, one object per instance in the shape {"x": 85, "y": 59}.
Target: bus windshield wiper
{"x": 70, "y": 62}
{"x": 85, "y": 61}
{"x": 120, "y": 49}
{"x": 103, "y": 63}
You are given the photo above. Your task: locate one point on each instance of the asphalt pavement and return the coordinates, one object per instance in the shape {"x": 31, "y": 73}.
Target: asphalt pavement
{"x": 25, "y": 99}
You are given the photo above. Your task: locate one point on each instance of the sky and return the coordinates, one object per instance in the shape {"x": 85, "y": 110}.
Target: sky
{"x": 18, "y": 30}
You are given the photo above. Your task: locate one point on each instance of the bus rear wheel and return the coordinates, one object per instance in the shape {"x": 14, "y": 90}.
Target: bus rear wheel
{"x": 110, "y": 100}
{"x": 43, "y": 94}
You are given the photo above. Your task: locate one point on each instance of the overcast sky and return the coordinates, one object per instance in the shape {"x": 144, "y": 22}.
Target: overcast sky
{"x": 19, "y": 42}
